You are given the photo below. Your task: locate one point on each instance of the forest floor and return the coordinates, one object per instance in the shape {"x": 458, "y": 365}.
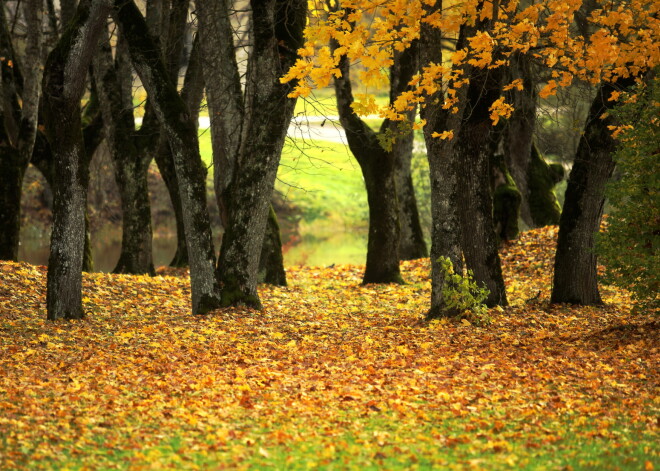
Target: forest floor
{"x": 331, "y": 375}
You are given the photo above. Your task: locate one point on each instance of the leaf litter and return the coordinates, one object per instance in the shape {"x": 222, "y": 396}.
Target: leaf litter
{"x": 329, "y": 373}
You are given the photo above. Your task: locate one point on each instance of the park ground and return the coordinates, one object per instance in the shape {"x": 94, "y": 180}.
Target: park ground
{"x": 331, "y": 375}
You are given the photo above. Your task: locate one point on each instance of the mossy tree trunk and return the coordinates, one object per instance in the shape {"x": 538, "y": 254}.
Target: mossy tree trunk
{"x": 226, "y": 107}
{"x": 170, "y": 27}
{"x": 542, "y": 178}
{"x": 63, "y": 86}
{"x": 277, "y": 33}
{"x": 175, "y": 119}
{"x": 446, "y": 228}
{"x": 506, "y": 200}
{"x": 130, "y": 166}
{"x": 575, "y": 277}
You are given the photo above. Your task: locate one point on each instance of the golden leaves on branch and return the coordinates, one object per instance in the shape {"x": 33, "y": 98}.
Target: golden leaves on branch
{"x": 619, "y": 40}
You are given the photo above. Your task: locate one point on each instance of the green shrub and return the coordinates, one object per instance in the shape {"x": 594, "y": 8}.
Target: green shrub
{"x": 461, "y": 292}
{"x": 629, "y": 246}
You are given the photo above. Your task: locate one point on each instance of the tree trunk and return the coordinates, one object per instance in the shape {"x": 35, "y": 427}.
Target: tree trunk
{"x": 383, "y": 243}
{"x": 192, "y": 94}
{"x": 64, "y": 83}
{"x": 181, "y": 131}
{"x": 411, "y": 238}
{"x": 225, "y": 100}
{"x": 14, "y": 158}
{"x": 542, "y": 178}
{"x": 277, "y": 35}
{"x": 476, "y": 202}
{"x": 271, "y": 261}
{"x": 378, "y": 171}
{"x": 165, "y": 163}
{"x": 130, "y": 167}
{"x": 519, "y": 133}
{"x": 445, "y": 229}
{"x": 474, "y": 145}
{"x": 575, "y": 276}
{"x": 10, "y": 201}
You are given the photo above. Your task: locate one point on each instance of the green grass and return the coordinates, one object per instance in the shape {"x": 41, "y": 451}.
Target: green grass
{"x": 376, "y": 440}
{"x": 322, "y": 179}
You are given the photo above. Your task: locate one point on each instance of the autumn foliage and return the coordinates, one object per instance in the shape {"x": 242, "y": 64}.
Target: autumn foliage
{"x": 572, "y": 40}
{"x": 331, "y": 373}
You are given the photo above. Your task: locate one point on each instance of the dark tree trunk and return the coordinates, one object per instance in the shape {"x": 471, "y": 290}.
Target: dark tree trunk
{"x": 383, "y": 242}
{"x": 411, "y": 238}
{"x": 519, "y": 134}
{"x": 277, "y": 34}
{"x": 130, "y": 167}
{"x": 64, "y": 83}
{"x": 192, "y": 94}
{"x": 445, "y": 229}
{"x": 225, "y": 100}
{"x": 378, "y": 170}
{"x": 271, "y": 261}
{"x": 575, "y": 277}
{"x": 92, "y": 138}
{"x": 15, "y": 152}
{"x": 476, "y": 203}
{"x": 474, "y": 146}
{"x": 224, "y": 94}
{"x": 10, "y": 201}
{"x": 67, "y": 11}
{"x": 177, "y": 21}
{"x": 181, "y": 131}
{"x": 167, "y": 170}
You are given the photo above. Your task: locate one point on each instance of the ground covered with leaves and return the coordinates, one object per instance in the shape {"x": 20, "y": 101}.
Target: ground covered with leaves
{"x": 331, "y": 374}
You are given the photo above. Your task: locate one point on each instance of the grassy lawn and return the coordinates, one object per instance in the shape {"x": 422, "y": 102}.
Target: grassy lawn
{"x": 320, "y": 178}
{"x": 332, "y": 375}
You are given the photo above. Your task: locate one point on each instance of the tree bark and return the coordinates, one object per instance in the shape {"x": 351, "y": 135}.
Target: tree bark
{"x": 224, "y": 94}
{"x": 378, "y": 170}
{"x": 411, "y": 238}
{"x": 175, "y": 119}
{"x": 226, "y": 108}
{"x": 10, "y": 200}
{"x": 271, "y": 261}
{"x": 130, "y": 167}
{"x": 446, "y": 228}
{"x": 575, "y": 277}
{"x": 519, "y": 133}
{"x": 277, "y": 35}
{"x": 473, "y": 149}
{"x": 63, "y": 86}
{"x": 16, "y": 151}
{"x": 192, "y": 94}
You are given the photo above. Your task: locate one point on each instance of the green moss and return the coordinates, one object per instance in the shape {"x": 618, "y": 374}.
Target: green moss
{"x": 542, "y": 179}
{"x": 506, "y": 203}
{"x": 232, "y": 294}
